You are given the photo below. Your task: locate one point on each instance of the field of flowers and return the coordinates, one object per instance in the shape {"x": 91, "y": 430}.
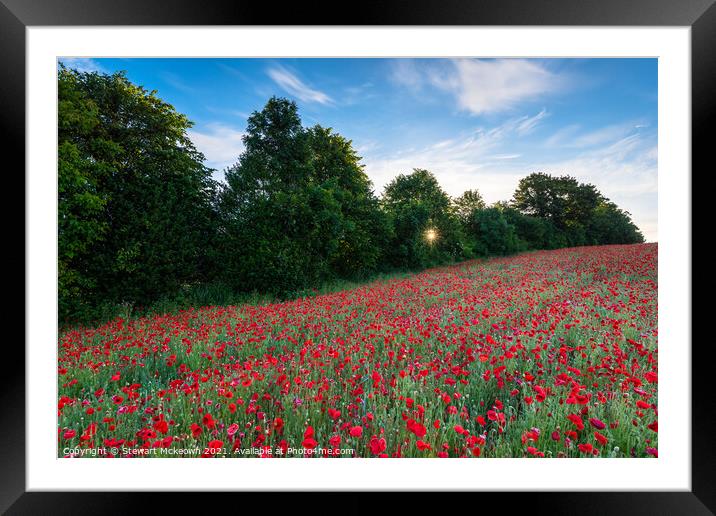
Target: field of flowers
{"x": 545, "y": 354}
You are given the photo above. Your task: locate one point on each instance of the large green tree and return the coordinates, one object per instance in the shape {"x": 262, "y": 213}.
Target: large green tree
{"x": 563, "y": 200}
{"x": 135, "y": 213}
{"x": 426, "y": 229}
{"x": 611, "y": 225}
{"x": 578, "y": 212}
{"x": 298, "y": 208}
{"x": 467, "y": 203}
{"x": 491, "y": 233}
{"x": 365, "y": 230}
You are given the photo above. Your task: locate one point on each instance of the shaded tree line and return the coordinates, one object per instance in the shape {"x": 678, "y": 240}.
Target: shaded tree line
{"x": 140, "y": 217}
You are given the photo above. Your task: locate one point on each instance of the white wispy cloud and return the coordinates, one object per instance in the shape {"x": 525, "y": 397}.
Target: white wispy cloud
{"x": 220, "y": 144}
{"x": 571, "y": 137}
{"x": 82, "y": 64}
{"x": 562, "y": 135}
{"x": 527, "y": 124}
{"x": 491, "y": 86}
{"x": 291, "y": 84}
{"x": 505, "y": 156}
{"x": 623, "y": 168}
{"x": 459, "y": 163}
{"x": 481, "y": 86}
{"x": 405, "y": 72}
{"x": 177, "y": 82}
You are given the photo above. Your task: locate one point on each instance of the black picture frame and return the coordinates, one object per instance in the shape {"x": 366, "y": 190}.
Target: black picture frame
{"x": 700, "y": 15}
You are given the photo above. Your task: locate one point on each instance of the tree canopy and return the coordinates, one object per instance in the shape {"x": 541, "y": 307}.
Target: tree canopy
{"x": 140, "y": 218}
{"x": 134, "y": 210}
{"x": 298, "y": 208}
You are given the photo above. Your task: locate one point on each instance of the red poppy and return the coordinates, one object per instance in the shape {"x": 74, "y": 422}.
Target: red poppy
{"x": 423, "y": 445}
{"x": 208, "y": 420}
{"x": 278, "y": 424}
{"x": 574, "y": 418}
{"x": 601, "y": 439}
{"x": 213, "y": 447}
{"x": 585, "y": 448}
{"x": 596, "y": 423}
{"x": 309, "y": 443}
{"x": 417, "y": 428}
{"x": 377, "y": 446}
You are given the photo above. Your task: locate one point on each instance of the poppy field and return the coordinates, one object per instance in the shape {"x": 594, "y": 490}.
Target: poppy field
{"x": 542, "y": 354}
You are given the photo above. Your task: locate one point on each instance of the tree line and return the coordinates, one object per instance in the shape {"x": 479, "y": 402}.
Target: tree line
{"x": 141, "y": 219}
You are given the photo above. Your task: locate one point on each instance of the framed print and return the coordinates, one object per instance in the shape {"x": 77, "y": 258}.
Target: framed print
{"x": 444, "y": 248}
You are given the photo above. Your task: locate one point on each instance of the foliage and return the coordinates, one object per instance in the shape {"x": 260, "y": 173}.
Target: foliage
{"x": 577, "y": 211}
{"x": 492, "y": 233}
{"x": 467, "y": 203}
{"x": 141, "y": 223}
{"x": 425, "y": 229}
{"x": 611, "y": 225}
{"x": 298, "y": 208}
{"x": 134, "y": 196}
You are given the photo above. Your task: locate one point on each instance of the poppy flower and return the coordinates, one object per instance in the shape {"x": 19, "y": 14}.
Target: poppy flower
{"x": 585, "y": 448}
{"x": 574, "y": 418}
{"x": 309, "y": 443}
{"x": 377, "y": 446}
{"x": 596, "y": 423}
{"x": 208, "y": 420}
{"x": 356, "y": 431}
{"x": 417, "y": 428}
{"x": 213, "y": 447}
{"x": 601, "y": 439}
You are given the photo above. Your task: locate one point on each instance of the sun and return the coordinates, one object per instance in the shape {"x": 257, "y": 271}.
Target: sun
{"x": 431, "y": 235}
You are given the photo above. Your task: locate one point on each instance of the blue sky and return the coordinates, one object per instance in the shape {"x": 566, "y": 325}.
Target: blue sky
{"x": 474, "y": 123}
